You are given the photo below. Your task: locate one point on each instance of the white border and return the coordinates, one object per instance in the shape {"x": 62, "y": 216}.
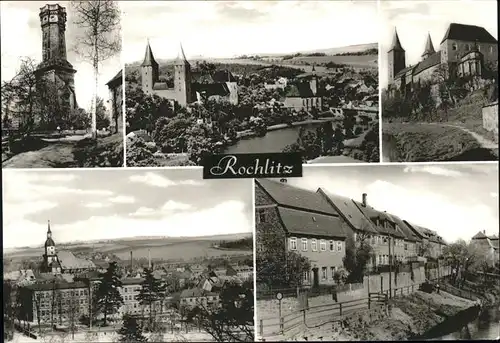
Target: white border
{"x": 379, "y": 61}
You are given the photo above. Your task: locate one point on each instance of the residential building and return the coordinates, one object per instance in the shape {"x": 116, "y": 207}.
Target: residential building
{"x": 431, "y": 244}
{"x": 305, "y": 223}
{"x": 194, "y": 297}
{"x": 305, "y": 94}
{"x": 115, "y": 86}
{"x": 488, "y": 245}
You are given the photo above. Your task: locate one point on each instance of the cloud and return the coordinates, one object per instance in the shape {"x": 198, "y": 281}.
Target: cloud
{"x": 96, "y": 205}
{"x": 123, "y": 199}
{"x": 434, "y": 170}
{"x": 143, "y": 211}
{"x": 17, "y": 211}
{"x": 175, "y": 206}
{"x": 156, "y": 180}
{"x": 225, "y": 218}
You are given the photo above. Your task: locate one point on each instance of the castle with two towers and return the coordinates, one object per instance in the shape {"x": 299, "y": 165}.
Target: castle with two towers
{"x": 465, "y": 50}
{"x": 188, "y": 88}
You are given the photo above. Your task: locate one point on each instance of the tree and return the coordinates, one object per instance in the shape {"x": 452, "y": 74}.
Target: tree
{"x": 152, "y": 291}
{"x": 130, "y": 331}
{"x": 101, "y": 115}
{"x": 99, "y": 38}
{"x": 358, "y": 254}
{"x": 108, "y": 295}
{"x": 233, "y": 319}
{"x": 73, "y": 311}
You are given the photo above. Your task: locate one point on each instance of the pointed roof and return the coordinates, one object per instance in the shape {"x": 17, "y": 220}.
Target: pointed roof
{"x": 181, "y": 56}
{"x": 149, "y": 59}
{"x": 49, "y": 242}
{"x": 479, "y": 235}
{"x": 48, "y": 227}
{"x": 429, "y": 47}
{"x": 468, "y": 33}
{"x": 396, "y": 44}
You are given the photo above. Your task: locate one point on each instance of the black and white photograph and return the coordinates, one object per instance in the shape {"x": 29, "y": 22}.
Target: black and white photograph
{"x": 205, "y": 77}
{"x": 378, "y": 253}
{"x": 127, "y": 255}
{"x": 439, "y": 80}
{"x": 62, "y": 94}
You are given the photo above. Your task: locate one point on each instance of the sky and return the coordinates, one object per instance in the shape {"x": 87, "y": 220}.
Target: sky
{"x": 85, "y": 205}
{"x": 455, "y": 200}
{"x": 22, "y": 37}
{"x": 232, "y": 28}
{"x": 416, "y": 19}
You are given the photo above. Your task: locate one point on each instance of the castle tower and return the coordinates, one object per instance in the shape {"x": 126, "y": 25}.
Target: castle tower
{"x": 55, "y": 67}
{"x": 182, "y": 79}
{"x": 50, "y": 248}
{"x": 429, "y": 48}
{"x": 314, "y": 81}
{"x": 149, "y": 71}
{"x": 396, "y": 58}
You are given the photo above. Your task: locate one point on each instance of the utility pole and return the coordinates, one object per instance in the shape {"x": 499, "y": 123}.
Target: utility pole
{"x": 390, "y": 268}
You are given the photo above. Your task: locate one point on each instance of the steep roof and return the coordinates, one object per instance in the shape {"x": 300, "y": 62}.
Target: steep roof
{"x": 149, "y": 59}
{"x": 430, "y": 61}
{"x": 211, "y": 88}
{"x": 70, "y": 261}
{"x": 223, "y": 76}
{"x": 480, "y": 235}
{"x": 301, "y": 90}
{"x": 349, "y": 211}
{"x": 311, "y": 224}
{"x": 407, "y": 232}
{"x": 295, "y": 197}
{"x": 468, "y": 33}
{"x": 116, "y": 80}
{"x": 396, "y": 44}
{"x": 373, "y": 215}
{"x": 429, "y": 47}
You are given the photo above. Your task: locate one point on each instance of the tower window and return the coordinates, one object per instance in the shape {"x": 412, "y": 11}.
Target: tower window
{"x": 454, "y": 46}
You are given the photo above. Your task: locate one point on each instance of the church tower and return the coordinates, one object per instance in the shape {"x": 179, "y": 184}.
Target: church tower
{"x": 429, "y": 48}
{"x": 149, "y": 71}
{"x": 314, "y": 81}
{"x": 55, "y": 67}
{"x": 182, "y": 79}
{"x": 50, "y": 249}
{"x": 396, "y": 58}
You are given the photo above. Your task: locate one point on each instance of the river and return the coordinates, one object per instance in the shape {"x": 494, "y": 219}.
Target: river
{"x": 273, "y": 141}
{"x": 476, "y": 331}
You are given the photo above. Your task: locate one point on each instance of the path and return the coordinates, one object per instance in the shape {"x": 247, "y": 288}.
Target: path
{"x": 483, "y": 141}
{"x": 56, "y": 155}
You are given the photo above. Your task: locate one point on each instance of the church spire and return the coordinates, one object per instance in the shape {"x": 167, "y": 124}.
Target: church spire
{"x": 149, "y": 59}
{"x": 49, "y": 233}
{"x": 396, "y": 44}
{"x": 429, "y": 47}
{"x": 180, "y": 55}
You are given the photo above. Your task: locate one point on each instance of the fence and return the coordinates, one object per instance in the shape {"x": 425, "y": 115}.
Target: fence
{"x": 319, "y": 315}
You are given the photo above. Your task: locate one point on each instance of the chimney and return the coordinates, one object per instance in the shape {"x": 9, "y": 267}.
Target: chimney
{"x": 364, "y": 199}
{"x": 484, "y": 232}
{"x": 149, "y": 258}
{"x": 131, "y": 263}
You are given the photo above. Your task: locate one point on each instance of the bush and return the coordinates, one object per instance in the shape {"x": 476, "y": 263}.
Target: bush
{"x": 139, "y": 154}
{"x": 27, "y": 143}
{"x": 106, "y": 152}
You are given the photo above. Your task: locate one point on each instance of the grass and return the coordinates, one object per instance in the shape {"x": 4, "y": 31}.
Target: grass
{"x": 416, "y": 142}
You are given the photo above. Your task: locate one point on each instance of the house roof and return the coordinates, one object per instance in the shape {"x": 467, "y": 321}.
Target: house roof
{"x": 195, "y": 293}
{"x": 132, "y": 281}
{"x": 56, "y": 285}
{"x": 373, "y": 215}
{"x": 211, "y": 89}
{"x": 300, "y": 90}
{"x": 116, "y": 80}
{"x": 468, "y": 33}
{"x": 289, "y": 196}
{"x": 70, "y": 261}
{"x": 404, "y": 71}
{"x": 349, "y": 210}
{"x": 396, "y": 44}
{"x": 220, "y": 76}
{"x": 480, "y": 235}
{"x": 158, "y": 86}
{"x": 406, "y": 231}
{"x": 429, "y": 47}
{"x": 311, "y": 224}
{"x": 430, "y": 61}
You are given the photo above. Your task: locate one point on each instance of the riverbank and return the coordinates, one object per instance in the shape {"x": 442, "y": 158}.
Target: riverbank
{"x": 250, "y": 133}
{"x": 407, "y": 317}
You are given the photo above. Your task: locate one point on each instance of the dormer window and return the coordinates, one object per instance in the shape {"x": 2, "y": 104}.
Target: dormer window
{"x": 454, "y": 46}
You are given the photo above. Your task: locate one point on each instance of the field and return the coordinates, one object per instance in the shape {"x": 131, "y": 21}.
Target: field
{"x": 174, "y": 248}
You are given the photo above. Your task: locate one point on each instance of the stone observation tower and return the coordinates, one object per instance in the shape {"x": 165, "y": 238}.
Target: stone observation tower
{"x": 55, "y": 68}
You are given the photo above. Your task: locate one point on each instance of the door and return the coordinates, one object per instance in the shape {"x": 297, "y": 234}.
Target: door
{"x": 315, "y": 277}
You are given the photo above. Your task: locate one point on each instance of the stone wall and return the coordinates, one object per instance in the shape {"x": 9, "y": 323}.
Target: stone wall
{"x": 490, "y": 117}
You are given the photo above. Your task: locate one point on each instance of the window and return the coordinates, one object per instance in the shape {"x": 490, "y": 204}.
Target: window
{"x": 406, "y": 246}
{"x": 314, "y": 245}
{"x": 332, "y": 246}
{"x": 324, "y": 273}
{"x": 262, "y": 216}
{"x": 322, "y": 245}
{"x": 332, "y": 271}
{"x": 355, "y": 237}
{"x": 304, "y": 244}
{"x": 380, "y": 261}
{"x": 293, "y": 243}
{"x": 467, "y": 47}
{"x": 339, "y": 246}
{"x": 306, "y": 276}
{"x": 454, "y": 46}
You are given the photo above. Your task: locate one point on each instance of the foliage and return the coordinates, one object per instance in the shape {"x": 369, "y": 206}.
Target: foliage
{"x": 97, "y": 38}
{"x": 139, "y": 153}
{"x": 131, "y": 331}
{"x": 357, "y": 256}
{"x": 103, "y": 152}
{"x": 78, "y": 119}
{"x": 277, "y": 267}
{"x": 240, "y": 244}
{"x": 233, "y": 320}
{"x": 108, "y": 295}
{"x": 370, "y": 145}
{"x": 101, "y": 115}
{"x": 152, "y": 291}
{"x": 372, "y": 51}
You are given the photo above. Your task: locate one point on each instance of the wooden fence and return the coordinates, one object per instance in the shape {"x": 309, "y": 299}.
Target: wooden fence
{"x": 311, "y": 291}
